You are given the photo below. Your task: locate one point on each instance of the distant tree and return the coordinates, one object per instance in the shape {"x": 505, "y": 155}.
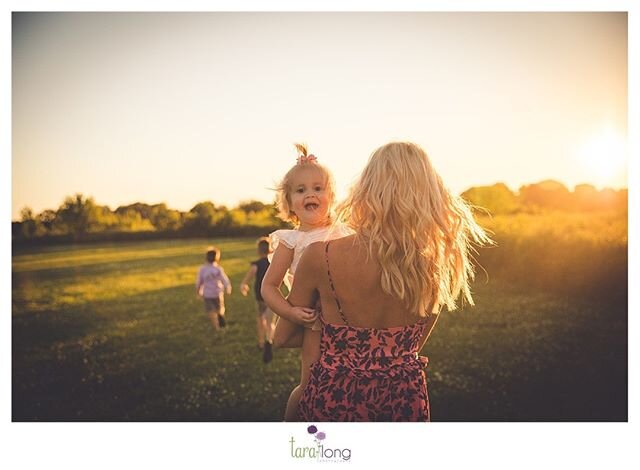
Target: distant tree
{"x": 252, "y": 206}
{"x": 47, "y": 219}
{"x": 164, "y": 218}
{"x": 622, "y": 200}
{"x": 547, "y": 194}
{"x": 238, "y": 217}
{"x": 586, "y": 197}
{"x": 204, "y": 210}
{"x": 106, "y": 219}
{"x": 222, "y": 219}
{"x": 145, "y": 210}
{"x": 609, "y": 197}
{"x": 200, "y": 217}
{"x": 587, "y": 190}
{"x": 26, "y": 213}
{"x": 78, "y": 214}
{"x": 497, "y": 199}
{"x": 28, "y": 226}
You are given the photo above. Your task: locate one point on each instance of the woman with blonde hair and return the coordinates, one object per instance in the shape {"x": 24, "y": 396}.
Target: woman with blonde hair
{"x": 382, "y": 288}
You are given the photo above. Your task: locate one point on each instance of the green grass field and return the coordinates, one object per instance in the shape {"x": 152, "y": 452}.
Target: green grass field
{"x": 115, "y": 332}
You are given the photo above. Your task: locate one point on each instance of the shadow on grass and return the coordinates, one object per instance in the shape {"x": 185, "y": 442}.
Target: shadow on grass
{"x": 517, "y": 356}
{"x": 525, "y": 356}
{"x": 146, "y": 357}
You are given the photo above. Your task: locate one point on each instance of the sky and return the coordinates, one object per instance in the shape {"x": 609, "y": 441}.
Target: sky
{"x": 187, "y": 107}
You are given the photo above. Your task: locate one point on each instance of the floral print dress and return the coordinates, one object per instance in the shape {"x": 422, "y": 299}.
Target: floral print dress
{"x": 367, "y": 374}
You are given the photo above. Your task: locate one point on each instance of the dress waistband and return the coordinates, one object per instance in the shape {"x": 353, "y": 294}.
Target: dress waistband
{"x": 369, "y": 366}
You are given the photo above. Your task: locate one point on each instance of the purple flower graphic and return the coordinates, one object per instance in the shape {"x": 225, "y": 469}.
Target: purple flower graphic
{"x": 312, "y": 429}
{"x": 320, "y": 436}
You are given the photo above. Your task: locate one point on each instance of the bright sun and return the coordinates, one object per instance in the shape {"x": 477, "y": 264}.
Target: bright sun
{"x": 605, "y": 155}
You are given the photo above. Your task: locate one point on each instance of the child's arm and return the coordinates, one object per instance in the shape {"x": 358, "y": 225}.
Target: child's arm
{"x": 199, "y": 282}
{"x": 282, "y": 258}
{"x": 303, "y": 292}
{"x": 225, "y": 280}
{"x": 244, "y": 285}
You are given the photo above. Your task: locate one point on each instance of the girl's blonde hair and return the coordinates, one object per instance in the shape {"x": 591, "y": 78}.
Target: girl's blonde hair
{"x": 418, "y": 231}
{"x": 306, "y": 162}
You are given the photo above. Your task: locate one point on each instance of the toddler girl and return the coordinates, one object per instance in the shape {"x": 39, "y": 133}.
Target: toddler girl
{"x": 305, "y": 196}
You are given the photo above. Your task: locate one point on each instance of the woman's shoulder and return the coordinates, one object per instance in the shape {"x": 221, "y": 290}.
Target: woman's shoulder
{"x": 313, "y": 254}
{"x": 317, "y": 249}
{"x": 330, "y": 232}
{"x": 340, "y": 230}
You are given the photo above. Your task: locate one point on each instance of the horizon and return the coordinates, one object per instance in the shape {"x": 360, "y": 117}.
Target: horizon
{"x": 113, "y": 207}
{"x": 130, "y": 107}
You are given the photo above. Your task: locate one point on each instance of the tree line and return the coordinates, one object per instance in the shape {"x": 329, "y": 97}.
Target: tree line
{"x": 546, "y": 196}
{"x": 79, "y": 218}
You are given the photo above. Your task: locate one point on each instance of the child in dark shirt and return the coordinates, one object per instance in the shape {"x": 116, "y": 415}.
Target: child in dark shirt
{"x": 265, "y": 319}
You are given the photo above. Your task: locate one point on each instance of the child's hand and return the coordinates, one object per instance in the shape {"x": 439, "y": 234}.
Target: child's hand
{"x": 303, "y": 315}
{"x": 244, "y": 289}
{"x": 229, "y": 290}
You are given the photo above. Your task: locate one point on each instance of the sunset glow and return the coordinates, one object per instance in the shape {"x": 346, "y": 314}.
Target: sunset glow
{"x": 182, "y": 108}
{"x": 605, "y": 155}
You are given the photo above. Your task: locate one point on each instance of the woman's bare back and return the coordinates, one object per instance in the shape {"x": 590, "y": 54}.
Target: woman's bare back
{"x": 356, "y": 279}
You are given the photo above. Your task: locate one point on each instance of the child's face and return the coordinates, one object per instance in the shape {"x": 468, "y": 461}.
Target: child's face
{"x": 310, "y": 199}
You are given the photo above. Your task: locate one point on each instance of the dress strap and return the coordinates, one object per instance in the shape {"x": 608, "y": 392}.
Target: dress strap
{"x": 333, "y": 289}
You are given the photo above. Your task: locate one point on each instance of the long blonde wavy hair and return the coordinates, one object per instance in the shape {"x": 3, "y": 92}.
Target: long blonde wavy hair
{"x": 419, "y": 232}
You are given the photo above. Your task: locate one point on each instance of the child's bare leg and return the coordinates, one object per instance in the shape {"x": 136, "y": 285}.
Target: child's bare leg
{"x": 291, "y": 413}
{"x": 260, "y": 327}
{"x": 269, "y": 325}
{"x": 222, "y": 310}
{"x": 310, "y": 354}
{"x": 213, "y": 317}
{"x": 222, "y": 322}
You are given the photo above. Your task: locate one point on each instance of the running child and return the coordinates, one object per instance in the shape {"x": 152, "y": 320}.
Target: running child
{"x": 211, "y": 283}
{"x": 265, "y": 319}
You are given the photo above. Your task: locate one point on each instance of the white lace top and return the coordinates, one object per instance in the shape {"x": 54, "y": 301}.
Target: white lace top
{"x": 299, "y": 240}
